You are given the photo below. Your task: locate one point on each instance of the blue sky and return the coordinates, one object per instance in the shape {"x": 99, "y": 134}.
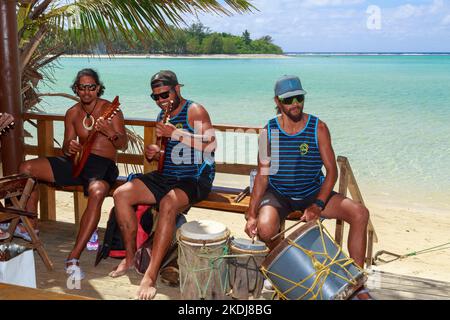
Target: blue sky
{"x": 345, "y": 25}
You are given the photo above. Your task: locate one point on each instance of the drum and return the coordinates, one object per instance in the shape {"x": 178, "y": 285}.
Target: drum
{"x": 245, "y": 277}
{"x": 308, "y": 264}
{"x": 202, "y": 246}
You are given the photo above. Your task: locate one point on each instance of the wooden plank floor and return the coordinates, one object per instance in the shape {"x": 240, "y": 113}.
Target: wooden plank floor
{"x": 59, "y": 237}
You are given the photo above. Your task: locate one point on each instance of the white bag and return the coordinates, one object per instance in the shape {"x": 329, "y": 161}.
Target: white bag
{"x": 19, "y": 270}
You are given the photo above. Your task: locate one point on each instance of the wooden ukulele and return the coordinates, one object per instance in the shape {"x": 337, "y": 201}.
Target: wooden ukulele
{"x": 8, "y": 122}
{"x": 79, "y": 159}
{"x": 162, "y": 141}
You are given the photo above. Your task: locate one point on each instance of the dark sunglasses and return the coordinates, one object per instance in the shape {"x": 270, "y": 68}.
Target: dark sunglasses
{"x": 300, "y": 98}
{"x": 162, "y": 95}
{"x": 89, "y": 86}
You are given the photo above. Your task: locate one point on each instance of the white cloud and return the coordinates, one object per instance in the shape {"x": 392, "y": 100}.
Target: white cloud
{"x": 408, "y": 11}
{"x": 436, "y": 6}
{"x": 446, "y": 20}
{"x": 334, "y": 25}
{"x": 328, "y": 3}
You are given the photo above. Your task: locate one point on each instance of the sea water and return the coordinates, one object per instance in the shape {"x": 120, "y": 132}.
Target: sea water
{"x": 388, "y": 114}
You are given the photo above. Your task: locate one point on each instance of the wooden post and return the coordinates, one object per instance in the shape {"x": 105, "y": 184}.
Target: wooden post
{"x": 357, "y": 196}
{"x": 10, "y": 97}
{"x": 149, "y": 138}
{"x": 80, "y": 204}
{"x": 369, "y": 255}
{"x": 47, "y": 204}
{"x": 343, "y": 183}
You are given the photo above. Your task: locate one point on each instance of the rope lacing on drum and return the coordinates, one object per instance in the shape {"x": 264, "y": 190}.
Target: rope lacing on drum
{"x": 322, "y": 270}
{"x": 212, "y": 265}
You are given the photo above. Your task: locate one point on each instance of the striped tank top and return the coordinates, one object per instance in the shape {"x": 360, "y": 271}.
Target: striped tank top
{"x": 296, "y": 165}
{"x": 181, "y": 160}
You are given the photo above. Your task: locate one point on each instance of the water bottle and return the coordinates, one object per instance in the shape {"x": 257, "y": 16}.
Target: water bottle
{"x": 92, "y": 244}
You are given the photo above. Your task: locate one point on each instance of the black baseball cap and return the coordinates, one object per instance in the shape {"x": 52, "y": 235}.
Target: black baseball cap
{"x": 166, "y": 77}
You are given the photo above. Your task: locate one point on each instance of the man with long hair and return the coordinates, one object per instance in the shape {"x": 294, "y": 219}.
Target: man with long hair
{"x": 100, "y": 171}
{"x": 290, "y": 177}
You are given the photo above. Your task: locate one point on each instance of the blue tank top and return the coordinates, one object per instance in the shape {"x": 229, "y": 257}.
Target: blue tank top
{"x": 181, "y": 160}
{"x": 296, "y": 164}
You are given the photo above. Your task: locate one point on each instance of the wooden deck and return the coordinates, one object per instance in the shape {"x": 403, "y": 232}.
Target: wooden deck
{"x": 58, "y": 239}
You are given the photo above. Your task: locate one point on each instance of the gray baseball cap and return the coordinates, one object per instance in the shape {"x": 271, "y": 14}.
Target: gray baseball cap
{"x": 166, "y": 77}
{"x": 288, "y": 86}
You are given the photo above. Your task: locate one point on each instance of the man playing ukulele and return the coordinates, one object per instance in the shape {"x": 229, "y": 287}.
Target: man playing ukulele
{"x": 99, "y": 172}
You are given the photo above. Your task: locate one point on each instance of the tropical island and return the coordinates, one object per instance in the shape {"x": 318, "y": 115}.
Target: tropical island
{"x": 196, "y": 39}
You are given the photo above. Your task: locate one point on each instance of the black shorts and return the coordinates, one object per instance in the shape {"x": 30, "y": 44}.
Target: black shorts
{"x": 197, "y": 189}
{"x": 286, "y": 205}
{"x": 96, "y": 168}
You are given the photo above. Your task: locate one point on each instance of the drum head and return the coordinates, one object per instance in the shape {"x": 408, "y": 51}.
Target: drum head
{"x": 207, "y": 230}
{"x": 248, "y": 245}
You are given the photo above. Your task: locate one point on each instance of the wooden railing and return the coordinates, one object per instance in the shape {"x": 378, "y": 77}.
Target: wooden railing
{"x": 347, "y": 181}
{"x": 44, "y": 147}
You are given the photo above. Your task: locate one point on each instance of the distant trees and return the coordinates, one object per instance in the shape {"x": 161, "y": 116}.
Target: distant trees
{"x": 196, "y": 39}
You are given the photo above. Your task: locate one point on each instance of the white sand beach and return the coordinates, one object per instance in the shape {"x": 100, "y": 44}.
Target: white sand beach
{"x": 176, "y": 56}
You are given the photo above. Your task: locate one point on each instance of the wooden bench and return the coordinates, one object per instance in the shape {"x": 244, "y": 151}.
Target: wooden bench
{"x": 221, "y": 198}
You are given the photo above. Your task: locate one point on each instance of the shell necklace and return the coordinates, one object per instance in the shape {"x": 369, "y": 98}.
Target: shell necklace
{"x": 89, "y": 117}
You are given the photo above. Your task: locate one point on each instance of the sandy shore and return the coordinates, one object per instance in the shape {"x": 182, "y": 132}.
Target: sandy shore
{"x": 173, "y": 56}
{"x": 399, "y": 230}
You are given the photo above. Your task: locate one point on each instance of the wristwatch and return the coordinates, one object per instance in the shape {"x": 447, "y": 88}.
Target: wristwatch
{"x": 320, "y": 203}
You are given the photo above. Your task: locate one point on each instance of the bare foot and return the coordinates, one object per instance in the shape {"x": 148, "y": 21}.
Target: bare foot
{"x": 146, "y": 291}
{"x": 121, "y": 269}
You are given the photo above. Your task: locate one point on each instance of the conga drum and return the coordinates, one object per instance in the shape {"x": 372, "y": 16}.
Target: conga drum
{"x": 309, "y": 264}
{"x": 202, "y": 246}
{"x": 245, "y": 277}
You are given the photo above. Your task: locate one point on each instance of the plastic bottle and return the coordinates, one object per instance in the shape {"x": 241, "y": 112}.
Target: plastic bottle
{"x": 92, "y": 244}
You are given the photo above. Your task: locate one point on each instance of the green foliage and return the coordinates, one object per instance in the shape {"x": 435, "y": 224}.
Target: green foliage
{"x": 196, "y": 39}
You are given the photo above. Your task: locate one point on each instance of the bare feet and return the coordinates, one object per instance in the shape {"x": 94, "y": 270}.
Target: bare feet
{"x": 147, "y": 291}
{"x": 121, "y": 269}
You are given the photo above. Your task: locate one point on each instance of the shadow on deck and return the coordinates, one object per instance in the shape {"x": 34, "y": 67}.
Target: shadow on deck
{"x": 59, "y": 237}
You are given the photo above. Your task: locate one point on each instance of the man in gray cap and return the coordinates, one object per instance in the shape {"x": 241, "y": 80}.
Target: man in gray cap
{"x": 290, "y": 178}
{"x": 184, "y": 176}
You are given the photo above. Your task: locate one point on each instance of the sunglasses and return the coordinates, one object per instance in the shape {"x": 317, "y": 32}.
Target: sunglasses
{"x": 162, "y": 95}
{"x": 89, "y": 86}
{"x": 300, "y": 98}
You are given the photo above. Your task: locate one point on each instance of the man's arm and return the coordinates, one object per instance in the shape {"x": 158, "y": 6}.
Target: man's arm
{"x": 118, "y": 137}
{"x": 260, "y": 184}
{"x": 69, "y": 131}
{"x": 329, "y": 161}
{"x": 204, "y": 136}
{"x": 262, "y": 178}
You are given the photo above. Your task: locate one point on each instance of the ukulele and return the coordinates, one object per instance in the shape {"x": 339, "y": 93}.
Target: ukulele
{"x": 8, "y": 122}
{"x": 162, "y": 141}
{"x": 79, "y": 159}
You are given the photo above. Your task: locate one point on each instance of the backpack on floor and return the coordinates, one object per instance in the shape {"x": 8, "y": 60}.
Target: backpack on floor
{"x": 113, "y": 245}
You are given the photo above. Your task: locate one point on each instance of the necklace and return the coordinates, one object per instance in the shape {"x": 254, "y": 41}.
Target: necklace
{"x": 89, "y": 117}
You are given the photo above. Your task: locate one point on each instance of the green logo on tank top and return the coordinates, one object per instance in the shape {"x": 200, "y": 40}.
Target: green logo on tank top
{"x": 179, "y": 126}
{"x": 304, "y": 148}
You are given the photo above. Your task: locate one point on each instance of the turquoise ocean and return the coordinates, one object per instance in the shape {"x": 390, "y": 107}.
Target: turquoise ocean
{"x": 388, "y": 114}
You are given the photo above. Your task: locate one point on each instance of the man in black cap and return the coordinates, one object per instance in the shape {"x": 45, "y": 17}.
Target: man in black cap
{"x": 185, "y": 176}
{"x": 291, "y": 178}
